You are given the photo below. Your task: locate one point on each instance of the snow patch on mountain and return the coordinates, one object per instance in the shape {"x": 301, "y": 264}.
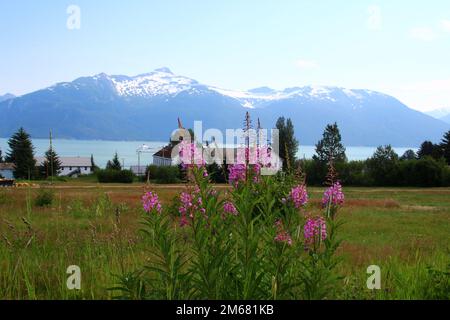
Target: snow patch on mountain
{"x": 159, "y": 82}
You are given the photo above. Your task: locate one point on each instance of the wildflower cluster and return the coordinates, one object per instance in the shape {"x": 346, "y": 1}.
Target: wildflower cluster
{"x": 249, "y": 163}
{"x": 191, "y": 202}
{"x": 298, "y": 196}
{"x": 237, "y": 173}
{"x": 315, "y": 231}
{"x": 234, "y": 232}
{"x": 151, "y": 202}
{"x": 333, "y": 195}
{"x": 282, "y": 235}
{"x": 254, "y": 155}
{"x": 190, "y": 154}
{"x": 229, "y": 208}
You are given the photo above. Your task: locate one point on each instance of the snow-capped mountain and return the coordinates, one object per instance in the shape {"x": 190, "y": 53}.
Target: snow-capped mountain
{"x": 159, "y": 82}
{"x": 146, "y": 106}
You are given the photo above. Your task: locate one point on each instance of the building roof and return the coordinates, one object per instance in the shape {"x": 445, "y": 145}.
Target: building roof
{"x": 69, "y": 161}
{"x": 7, "y": 166}
{"x": 165, "y": 152}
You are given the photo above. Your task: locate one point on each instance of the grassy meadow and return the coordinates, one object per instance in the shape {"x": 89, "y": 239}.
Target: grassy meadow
{"x": 96, "y": 226}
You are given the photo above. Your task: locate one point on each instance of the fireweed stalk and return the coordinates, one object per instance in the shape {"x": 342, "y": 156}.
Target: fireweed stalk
{"x": 166, "y": 258}
{"x": 321, "y": 244}
{"x": 257, "y": 241}
{"x": 202, "y": 218}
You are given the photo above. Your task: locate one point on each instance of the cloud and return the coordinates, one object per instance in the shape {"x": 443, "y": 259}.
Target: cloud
{"x": 423, "y": 34}
{"x": 306, "y": 64}
{"x": 375, "y": 20}
{"x": 445, "y": 25}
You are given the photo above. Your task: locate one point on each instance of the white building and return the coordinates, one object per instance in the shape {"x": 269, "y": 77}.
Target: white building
{"x": 71, "y": 166}
{"x": 7, "y": 170}
{"x": 164, "y": 157}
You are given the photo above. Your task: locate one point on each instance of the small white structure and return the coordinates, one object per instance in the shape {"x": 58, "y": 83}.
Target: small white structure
{"x": 7, "y": 170}
{"x": 71, "y": 165}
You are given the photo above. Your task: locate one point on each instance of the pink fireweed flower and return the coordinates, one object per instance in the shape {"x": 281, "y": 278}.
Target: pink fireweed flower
{"x": 298, "y": 196}
{"x": 333, "y": 195}
{"x": 229, "y": 208}
{"x": 190, "y": 203}
{"x": 151, "y": 202}
{"x": 265, "y": 156}
{"x": 237, "y": 174}
{"x": 315, "y": 230}
{"x": 190, "y": 154}
{"x": 254, "y": 155}
{"x": 282, "y": 235}
{"x": 256, "y": 173}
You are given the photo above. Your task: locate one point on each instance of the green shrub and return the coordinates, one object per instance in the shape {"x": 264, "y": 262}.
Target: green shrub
{"x": 353, "y": 173}
{"x": 383, "y": 171}
{"x": 163, "y": 174}
{"x": 115, "y": 176}
{"x": 446, "y": 177}
{"x": 151, "y": 172}
{"x": 44, "y": 198}
{"x": 428, "y": 172}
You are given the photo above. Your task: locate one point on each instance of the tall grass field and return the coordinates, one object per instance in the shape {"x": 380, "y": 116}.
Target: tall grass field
{"x": 98, "y": 227}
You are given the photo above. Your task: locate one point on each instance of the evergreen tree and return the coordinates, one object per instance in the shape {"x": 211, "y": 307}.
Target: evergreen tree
{"x": 114, "y": 164}
{"x": 429, "y": 149}
{"x": 384, "y": 167}
{"x": 330, "y": 148}
{"x": 93, "y": 165}
{"x": 445, "y": 147}
{"x": 1, "y": 156}
{"x": 288, "y": 144}
{"x": 408, "y": 155}
{"x": 51, "y": 165}
{"x": 21, "y": 153}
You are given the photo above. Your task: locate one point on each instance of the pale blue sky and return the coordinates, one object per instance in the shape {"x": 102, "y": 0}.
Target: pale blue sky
{"x": 398, "y": 47}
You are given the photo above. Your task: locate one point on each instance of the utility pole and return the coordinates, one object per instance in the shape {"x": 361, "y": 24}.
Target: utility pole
{"x": 139, "y": 163}
{"x": 51, "y": 157}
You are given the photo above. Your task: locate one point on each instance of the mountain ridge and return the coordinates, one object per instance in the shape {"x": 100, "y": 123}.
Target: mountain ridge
{"x": 6, "y": 96}
{"x": 146, "y": 106}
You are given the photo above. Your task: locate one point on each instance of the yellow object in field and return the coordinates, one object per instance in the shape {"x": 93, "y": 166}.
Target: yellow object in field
{"x": 22, "y": 184}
